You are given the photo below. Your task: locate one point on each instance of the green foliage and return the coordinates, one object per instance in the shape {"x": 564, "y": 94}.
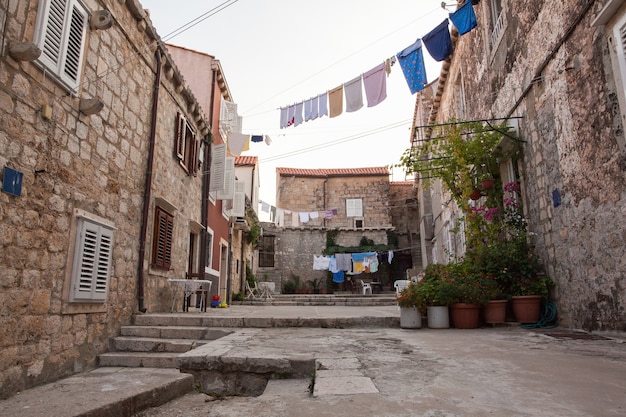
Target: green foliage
{"x": 252, "y": 237}
{"x": 331, "y": 237}
{"x": 292, "y": 285}
{"x": 250, "y": 278}
{"x": 392, "y": 239}
{"x": 238, "y": 296}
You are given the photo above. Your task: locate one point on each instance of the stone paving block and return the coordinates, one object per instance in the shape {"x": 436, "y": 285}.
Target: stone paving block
{"x": 343, "y": 385}
{"x": 338, "y": 363}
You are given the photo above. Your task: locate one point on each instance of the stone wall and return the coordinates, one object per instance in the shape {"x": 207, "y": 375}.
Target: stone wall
{"x": 74, "y": 165}
{"x": 553, "y": 68}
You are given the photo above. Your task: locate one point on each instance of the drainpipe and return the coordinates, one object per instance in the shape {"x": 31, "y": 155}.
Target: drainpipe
{"x": 148, "y": 184}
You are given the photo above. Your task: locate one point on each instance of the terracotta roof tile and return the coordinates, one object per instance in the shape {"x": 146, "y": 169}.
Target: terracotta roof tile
{"x": 246, "y": 160}
{"x": 402, "y": 183}
{"x": 333, "y": 172}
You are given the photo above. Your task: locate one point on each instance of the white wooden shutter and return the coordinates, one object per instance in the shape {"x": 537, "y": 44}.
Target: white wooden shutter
{"x": 229, "y": 180}
{"x": 354, "y": 207}
{"x": 218, "y": 165}
{"x": 179, "y": 139}
{"x": 62, "y": 35}
{"x": 619, "y": 32}
{"x": 92, "y": 262}
{"x": 239, "y": 199}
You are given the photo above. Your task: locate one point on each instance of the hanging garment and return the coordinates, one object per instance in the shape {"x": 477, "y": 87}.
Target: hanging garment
{"x": 314, "y": 215}
{"x": 280, "y": 217}
{"x": 237, "y": 142}
{"x": 315, "y": 107}
{"x": 464, "y": 18}
{"x": 283, "y": 117}
{"x": 308, "y": 109}
{"x": 294, "y": 219}
{"x": 304, "y": 216}
{"x": 390, "y": 256}
{"x": 335, "y": 101}
{"x": 272, "y": 213}
{"x": 332, "y": 264}
{"x": 344, "y": 261}
{"x": 329, "y": 215}
{"x": 298, "y": 119}
{"x": 354, "y": 94}
{"x": 357, "y": 266}
{"x": 265, "y": 207}
{"x": 375, "y": 83}
{"x": 411, "y": 61}
{"x": 438, "y": 42}
{"x": 291, "y": 113}
{"x": 323, "y": 104}
{"x": 320, "y": 263}
{"x": 256, "y": 138}
{"x": 338, "y": 277}
{"x": 267, "y": 140}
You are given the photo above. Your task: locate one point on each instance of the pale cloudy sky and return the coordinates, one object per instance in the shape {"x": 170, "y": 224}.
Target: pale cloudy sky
{"x": 279, "y": 52}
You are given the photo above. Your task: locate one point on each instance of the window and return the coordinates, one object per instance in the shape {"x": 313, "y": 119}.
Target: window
{"x": 266, "y": 252}
{"x": 61, "y": 35}
{"x": 498, "y": 22}
{"x": 354, "y": 207}
{"x": 358, "y": 223}
{"x": 619, "y": 33}
{"x": 162, "y": 239}
{"x": 186, "y": 147}
{"x": 92, "y": 261}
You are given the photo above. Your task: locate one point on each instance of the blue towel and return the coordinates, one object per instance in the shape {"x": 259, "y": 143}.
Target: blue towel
{"x": 411, "y": 61}
{"x": 338, "y": 277}
{"x": 438, "y": 42}
{"x": 464, "y": 18}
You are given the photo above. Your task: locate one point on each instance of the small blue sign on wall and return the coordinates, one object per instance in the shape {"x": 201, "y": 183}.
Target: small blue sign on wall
{"x": 12, "y": 181}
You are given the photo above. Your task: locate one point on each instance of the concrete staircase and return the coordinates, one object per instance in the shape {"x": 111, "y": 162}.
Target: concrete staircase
{"x": 338, "y": 299}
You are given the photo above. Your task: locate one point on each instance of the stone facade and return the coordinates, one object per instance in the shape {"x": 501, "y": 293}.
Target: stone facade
{"x": 319, "y": 190}
{"x": 555, "y": 66}
{"x": 89, "y": 169}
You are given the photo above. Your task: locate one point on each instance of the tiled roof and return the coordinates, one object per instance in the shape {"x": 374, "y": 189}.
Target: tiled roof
{"x": 246, "y": 160}
{"x": 402, "y": 183}
{"x": 333, "y": 172}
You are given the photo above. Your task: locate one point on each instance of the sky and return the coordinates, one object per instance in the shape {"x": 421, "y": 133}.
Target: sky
{"x": 275, "y": 53}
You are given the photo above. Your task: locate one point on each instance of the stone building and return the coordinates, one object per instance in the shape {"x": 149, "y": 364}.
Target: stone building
{"x": 558, "y": 69}
{"x": 351, "y": 203}
{"x": 103, "y": 148}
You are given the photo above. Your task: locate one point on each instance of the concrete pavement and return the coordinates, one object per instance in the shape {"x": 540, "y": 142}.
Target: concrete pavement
{"x": 368, "y": 371}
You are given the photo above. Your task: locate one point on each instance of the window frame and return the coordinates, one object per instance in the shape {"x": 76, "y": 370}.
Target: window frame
{"x": 162, "y": 239}
{"x": 61, "y": 35}
{"x": 186, "y": 146}
{"x": 93, "y": 258}
{"x": 265, "y": 254}
{"x": 354, "y": 211}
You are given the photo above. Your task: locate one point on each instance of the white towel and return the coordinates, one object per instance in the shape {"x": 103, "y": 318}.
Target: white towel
{"x": 315, "y": 107}
{"x": 375, "y": 83}
{"x": 323, "y": 104}
{"x": 354, "y": 94}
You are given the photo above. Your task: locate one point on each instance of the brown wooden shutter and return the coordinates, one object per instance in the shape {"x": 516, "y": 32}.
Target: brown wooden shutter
{"x": 163, "y": 237}
{"x": 179, "y": 140}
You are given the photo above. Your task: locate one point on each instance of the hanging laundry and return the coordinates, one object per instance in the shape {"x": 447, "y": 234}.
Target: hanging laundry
{"x": 272, "y": 213}
{"x": 268, "y": 140}
{"x": 323, "y": 105}
{"x": 284, "y": 117}
{"x": 438, "y": 42}
{"x": 332, "y": 265}
{"x": 329, "y": 215}
{"x": 314, "y": 215}
{"x": 320, "y": 263}
{"x": 390, "y": 256}
{"x": 375, "y": 83}
{"x": 344, "y": 261}
{"x": 339, "y": 277}
{"x": 308, "y": 109}
{"x": 291, "y": 113}
{"x": 280, "y": 217}
{"x": 265, "y": 207}
{"x": 237, "y": 142}
{"x": 256, "y": 138}
{"x": 335, "y": 100}
{"x": 298, "y": 119}
{"x": 304, "y": 217}
{"x": 411, "y": 61}
{"x": 315, "y": 107}
{"x": 464, "y": 18}
{"x": 294, "y": 220}
{"x": 354, "y": 94}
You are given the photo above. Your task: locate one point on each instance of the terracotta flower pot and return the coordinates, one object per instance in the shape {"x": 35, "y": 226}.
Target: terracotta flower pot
{"x": 495, "y": 311}
{"x": 487, "y": 184}
{"x": 465, "y": 316}
{"x": 475, "y": 195}
{"x": 526, "y": 308}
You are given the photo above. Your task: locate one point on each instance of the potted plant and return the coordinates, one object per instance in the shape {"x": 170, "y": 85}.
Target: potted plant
{"x": 486, "y": 181}
{"x": 471, "y": 292}
{"x": 409, "y": 302}
{"x": 435, "y": 293}
{"x": 528, "y": 293}
{"x": 316, "y": 284}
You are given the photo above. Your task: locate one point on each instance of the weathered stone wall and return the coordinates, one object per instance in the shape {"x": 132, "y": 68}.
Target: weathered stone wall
{"x": 307, "y": 194}
{"x": 93, "y": 164}
{"x": 562, "y": 83}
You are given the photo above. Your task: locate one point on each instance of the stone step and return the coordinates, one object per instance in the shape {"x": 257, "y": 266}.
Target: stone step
{"x": 174, "y": 332}
{"x": 146, "y": 344}
{"x": 138, "y": 359}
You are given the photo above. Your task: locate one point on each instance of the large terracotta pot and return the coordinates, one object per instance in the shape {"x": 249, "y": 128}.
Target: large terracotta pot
{"x": 495, "y": 311}
{"x": 465, "y": 316}
{"x": 526, "y": 308}
{"x": 410, "y": 318}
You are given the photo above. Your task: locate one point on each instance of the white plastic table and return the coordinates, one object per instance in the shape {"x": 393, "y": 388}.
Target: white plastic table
{"x": 267, "y": 288}
{"x": 188, "y": 287}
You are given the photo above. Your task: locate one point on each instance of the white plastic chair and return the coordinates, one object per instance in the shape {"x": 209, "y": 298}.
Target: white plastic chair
{"x": 400, "y": 284}
{"x": 366, "y": 287}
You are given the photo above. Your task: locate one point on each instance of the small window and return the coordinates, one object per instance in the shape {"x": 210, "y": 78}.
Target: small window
{"x": 61, "y": 36}
{"x": 354, "y": 207}
{"x": 266, "y": 251}
{"x": 186, "y": 147}
{"x": 162, "y": 239}
{"x": 358, "y": 223}
{"x": 92, "y": 261}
